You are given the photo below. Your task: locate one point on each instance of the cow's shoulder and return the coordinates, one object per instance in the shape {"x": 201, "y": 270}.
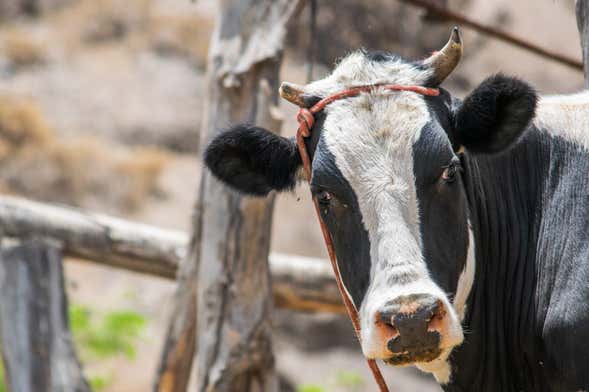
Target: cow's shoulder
{"x": 565, "y": 116}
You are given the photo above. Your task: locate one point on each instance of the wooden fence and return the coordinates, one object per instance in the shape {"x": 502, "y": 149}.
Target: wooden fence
{"x": 299, "y": 283}
{"x": 34, "y": 334}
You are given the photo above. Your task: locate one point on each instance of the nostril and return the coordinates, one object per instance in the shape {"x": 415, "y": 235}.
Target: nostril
{"x": 411, "y": 325}
{"x": 384, "y": 320}
{"x": 436, "y": 307}
{"x": 384, "y": 326}
{"x": 431, "y": 310}
{"x": 427, "y": 313}
{"x": 385, "y": 317}
{"x": 413, "y": 314}
{"x": 435, "y": 323}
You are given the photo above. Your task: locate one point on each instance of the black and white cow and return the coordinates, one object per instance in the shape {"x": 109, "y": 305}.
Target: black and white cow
{"x": 460, "y": 227}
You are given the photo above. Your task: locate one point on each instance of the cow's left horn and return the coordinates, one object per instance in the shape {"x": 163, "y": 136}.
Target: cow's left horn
{"x": 443, "y": 62}
{"x": 293, "y": 93}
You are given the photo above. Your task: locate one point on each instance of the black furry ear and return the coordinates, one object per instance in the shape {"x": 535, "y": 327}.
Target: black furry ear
{"x": 253, "y": 160}
{"x": 495, "y": 114}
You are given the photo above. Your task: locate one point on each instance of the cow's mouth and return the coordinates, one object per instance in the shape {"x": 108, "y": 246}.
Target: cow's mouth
{"x": 410, "y": 358}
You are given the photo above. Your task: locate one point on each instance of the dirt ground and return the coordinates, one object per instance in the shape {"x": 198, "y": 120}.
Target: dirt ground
{"x": 146, "y": 89}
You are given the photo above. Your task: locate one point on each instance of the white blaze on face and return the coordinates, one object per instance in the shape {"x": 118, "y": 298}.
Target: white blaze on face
{"x": 466, "y": 279}
{"x": 371, "y": 137}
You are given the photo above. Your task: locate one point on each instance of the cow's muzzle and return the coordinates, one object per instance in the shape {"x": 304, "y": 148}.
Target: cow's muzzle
{"x": 411, "y": 326}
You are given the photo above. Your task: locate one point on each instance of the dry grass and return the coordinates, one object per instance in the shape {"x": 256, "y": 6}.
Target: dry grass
{"x": 92, "y": 22}
{"x": 21, "y": 125}
{"x": 186, "y": 36}
{"x": 35, "y": 163}
{"x": 110, "y": 20}
{"x": 135, "y": 24}
{"x": 21, "y": 51}
{"x": 141, "y": 167}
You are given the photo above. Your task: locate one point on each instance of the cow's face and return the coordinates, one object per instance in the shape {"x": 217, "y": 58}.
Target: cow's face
{"x": 389, "y": 183}
{"x": 390, "y": 192}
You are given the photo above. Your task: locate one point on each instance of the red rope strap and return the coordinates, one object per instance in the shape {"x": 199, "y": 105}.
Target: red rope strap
{"x": 306, "y": 119}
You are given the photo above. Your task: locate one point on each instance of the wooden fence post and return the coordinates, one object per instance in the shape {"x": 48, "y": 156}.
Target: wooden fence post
{"x": 230, "y": 240}
{"x": 582, "y": 11}
{"x": 37, "y": 347}
{"x": 234, "y": 347}
{"x": 176, "y": 361}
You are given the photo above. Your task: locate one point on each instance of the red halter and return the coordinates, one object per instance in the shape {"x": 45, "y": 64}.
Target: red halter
{"x": 306, "y": 119}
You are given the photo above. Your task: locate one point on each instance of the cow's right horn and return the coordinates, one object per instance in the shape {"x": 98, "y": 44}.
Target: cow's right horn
{"x": 443, "y": 62}
{"x": 293, "y": 93}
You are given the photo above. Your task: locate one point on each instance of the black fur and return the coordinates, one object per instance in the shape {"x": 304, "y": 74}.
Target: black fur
{"x": 495, "y": 114}
{"x": 343, "y": 219}
{"x": 528, "y": 312}
{"x": 253, "y": 160}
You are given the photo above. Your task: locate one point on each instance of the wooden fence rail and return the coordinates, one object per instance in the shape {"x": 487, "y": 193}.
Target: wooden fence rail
{"x": 300, "y": 283}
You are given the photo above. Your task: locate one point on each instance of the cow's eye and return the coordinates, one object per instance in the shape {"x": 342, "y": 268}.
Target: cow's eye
{"x": 451, "y": 170}
{"x": 324, "y": 197}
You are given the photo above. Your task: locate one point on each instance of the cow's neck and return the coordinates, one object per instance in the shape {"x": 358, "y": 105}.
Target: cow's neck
{"x": 505, "y": 198}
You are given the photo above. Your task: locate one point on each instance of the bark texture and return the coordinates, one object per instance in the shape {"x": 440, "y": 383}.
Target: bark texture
{"x": 234, "y": 294}
{"x": 225, "y": 280}
{"x": 582, "y": 11}
{"x": 177, "y": 359}
{"x": 37, "y": 348}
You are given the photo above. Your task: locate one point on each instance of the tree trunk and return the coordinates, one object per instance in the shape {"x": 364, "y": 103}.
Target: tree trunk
{"x": 227, "y": 267}
{"x": 234, "y": 347}
{"x": 176, "y": 362}
{"x": 582, "y": 11}
{"x": 36, "y": 343}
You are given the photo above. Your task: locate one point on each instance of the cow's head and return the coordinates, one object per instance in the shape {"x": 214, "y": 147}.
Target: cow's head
{"x": 386, "y": 170}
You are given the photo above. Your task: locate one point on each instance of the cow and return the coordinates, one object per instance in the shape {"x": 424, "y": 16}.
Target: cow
{"x": 460, "y": 225}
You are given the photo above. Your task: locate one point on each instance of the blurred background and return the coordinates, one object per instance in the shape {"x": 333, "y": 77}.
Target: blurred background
{"x": 100, "y": 108}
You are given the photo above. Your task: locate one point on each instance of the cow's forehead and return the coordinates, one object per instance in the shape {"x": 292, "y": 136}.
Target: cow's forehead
{"x": 372, "y": 135}
{"x": 371, "y": 138}
{"x": 360, "y": 68}
{"x": 373, "y": 129}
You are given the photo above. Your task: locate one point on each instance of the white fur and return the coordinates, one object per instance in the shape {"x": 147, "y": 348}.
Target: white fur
{"x": 439, "y": 367}
{"x": 356, "y": 70}
{"x": 466, "y": 278}
{"x": 566, "y": 116}
{"x": 371, "y": 137}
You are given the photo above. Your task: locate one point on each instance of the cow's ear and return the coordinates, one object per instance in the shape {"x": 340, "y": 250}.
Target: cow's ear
{"x": 253, "y": 160}
{"x": 495, "y": 114}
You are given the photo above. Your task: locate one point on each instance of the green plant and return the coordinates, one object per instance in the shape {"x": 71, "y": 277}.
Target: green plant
{"x": 349, "y": 380}
{"x": 98, "y": 383}
{"x": 2, "y": 382}
{"x": 99, "y": 337}
{"x": 103, "y": 337}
